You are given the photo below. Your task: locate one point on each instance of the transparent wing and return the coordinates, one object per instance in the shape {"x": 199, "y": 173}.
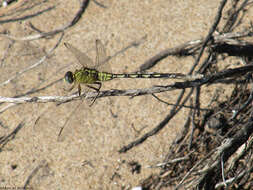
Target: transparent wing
{"x": 102, "y": 63}
{"x": 82, "y": 58}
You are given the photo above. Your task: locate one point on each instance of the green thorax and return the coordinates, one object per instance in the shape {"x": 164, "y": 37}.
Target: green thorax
{"x": 90, "y": 76}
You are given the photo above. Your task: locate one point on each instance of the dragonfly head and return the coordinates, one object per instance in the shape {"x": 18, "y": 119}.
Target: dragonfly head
{"x": 69, "y": 77}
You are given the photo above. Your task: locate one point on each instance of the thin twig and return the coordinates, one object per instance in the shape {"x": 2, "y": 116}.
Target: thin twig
{"x": 222, "y": 171}
{"x": 192, "y": 129}
{"x": 233, "y": 16}
{"x": 186, "y": 157}
{"x": 34, "y": 65}
{"x": 6, "y": 139}
{"x": 27, "y": 16}
{"x": 54, "y": 32}
{"x": 7, "y": 107}
{"x": 229, "y": 181}
{"x": 34, "y": 172}
{"x": 185, "y": 106}
{"x": 99, "y": 4}
{"x": 211, "y": 31}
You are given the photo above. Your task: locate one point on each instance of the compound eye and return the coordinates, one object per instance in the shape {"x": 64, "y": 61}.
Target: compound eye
{"x": 69, "y": 77}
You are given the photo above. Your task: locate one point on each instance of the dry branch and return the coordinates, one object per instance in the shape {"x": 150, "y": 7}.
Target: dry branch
{"x": 190, "y": 48}
{"x": 137, "y": 92}
{"x": 25, "y": 17}
{"x": 77, "y": 17}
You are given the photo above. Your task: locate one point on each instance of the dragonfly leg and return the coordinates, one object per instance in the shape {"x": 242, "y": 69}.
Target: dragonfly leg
{"x": 79, "y": 90}
{"x": 97, "y": 89}
{"x": 71, "y": 88}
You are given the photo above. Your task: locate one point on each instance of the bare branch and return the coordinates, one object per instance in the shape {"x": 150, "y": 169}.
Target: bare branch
{"x": 51, "y": 33}
{"x": 192, "y": 46}
{"x": 27, "y": 16}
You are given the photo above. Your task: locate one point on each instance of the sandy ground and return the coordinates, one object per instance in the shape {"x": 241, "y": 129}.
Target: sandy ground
{"x": 87, "y": 156}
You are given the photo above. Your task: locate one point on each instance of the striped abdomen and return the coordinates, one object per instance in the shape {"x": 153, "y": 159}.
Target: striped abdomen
{"x": 108, "y": 76}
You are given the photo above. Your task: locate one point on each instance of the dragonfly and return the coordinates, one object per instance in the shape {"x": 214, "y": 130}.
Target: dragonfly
{"x": 91, "y": 73}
